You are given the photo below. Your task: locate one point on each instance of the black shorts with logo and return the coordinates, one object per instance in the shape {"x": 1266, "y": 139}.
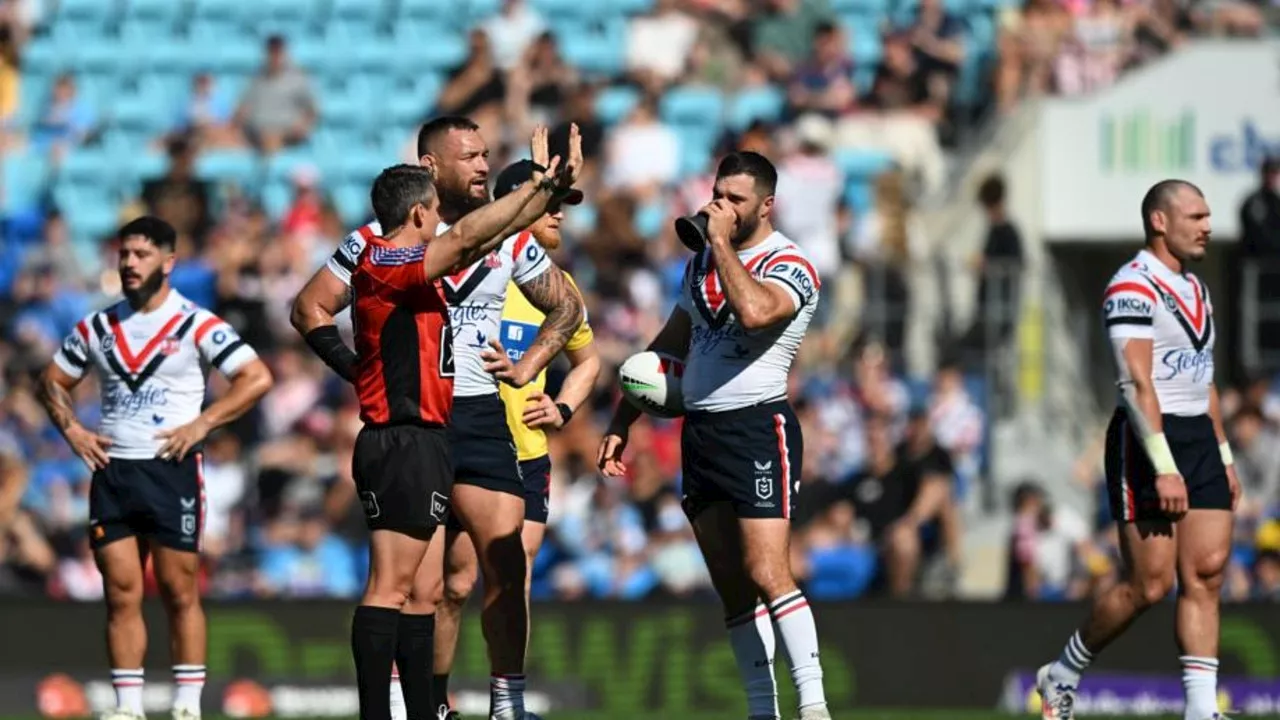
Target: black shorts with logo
{"x": 484, "y": 451}
{"x": 1131, "y": 478}
{"x": 403, "y": 476}
{"x": 159, "y": 500}
{"x": 749, "y": 457}
{"x": 537, "y": 488}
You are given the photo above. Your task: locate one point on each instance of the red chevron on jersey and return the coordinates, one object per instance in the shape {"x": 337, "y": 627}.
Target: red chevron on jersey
{"x": 131, "y": 361}
{"x": 1195, "y": 318}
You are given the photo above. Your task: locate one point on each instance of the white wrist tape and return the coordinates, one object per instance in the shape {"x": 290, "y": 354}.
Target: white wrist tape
{"x": 1224, "y": 449}
{"x": 1161, "y": 456}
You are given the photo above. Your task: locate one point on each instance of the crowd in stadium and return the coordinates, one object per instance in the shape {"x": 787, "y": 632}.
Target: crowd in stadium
{"x": 828, "y": 90}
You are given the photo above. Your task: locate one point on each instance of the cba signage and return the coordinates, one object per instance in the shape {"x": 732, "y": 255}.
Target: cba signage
{"x": 624, "y": 661}
{"x": 1208, "y": 114}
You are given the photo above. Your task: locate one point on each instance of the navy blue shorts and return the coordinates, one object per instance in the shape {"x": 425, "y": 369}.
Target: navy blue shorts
{"x": 1131, "y": 478}
{"x": 749, "y": 457}
{"x": 484, "y": 453}
{"x": 158, "y": 500}
{"x": 537, "y": 488}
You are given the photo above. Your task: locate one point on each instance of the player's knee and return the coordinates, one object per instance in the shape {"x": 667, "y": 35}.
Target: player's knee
{"x": 772, "y": 579}
{"x": 388, "y": 589}
{"x": 1207, "y": 570}
{"x": 1151, "y": 589}
{"x": 179, "y": 594}
{"x": 124, "y": 596}
{"x": 458, "y": 586}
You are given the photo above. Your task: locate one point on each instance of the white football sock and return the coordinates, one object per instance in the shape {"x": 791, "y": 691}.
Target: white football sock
{"x": 1200, "y": 680}
{"x": 1071, "y": 663}
{"x": 188, "y": 682}
{"x": 751, "y": 637}
{"x": 794, "y": 620}
{"x": 128, "y": 685}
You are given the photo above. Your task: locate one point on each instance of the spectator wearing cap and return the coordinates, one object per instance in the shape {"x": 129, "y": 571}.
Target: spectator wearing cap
{"x": 278, "y": 109}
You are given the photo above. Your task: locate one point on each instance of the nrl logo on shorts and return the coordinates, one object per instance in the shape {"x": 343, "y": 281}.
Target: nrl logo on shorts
{"x": 370, "y": 503}
{"x": 188, "y": 524}
{"x": 764, "y": 480}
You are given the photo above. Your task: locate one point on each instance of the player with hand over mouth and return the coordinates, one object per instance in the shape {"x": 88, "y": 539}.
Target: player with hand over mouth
{"x": 745, "y": 304}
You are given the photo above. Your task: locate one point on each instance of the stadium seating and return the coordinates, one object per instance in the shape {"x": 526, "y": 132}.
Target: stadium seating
{"x": 134, "y": 60}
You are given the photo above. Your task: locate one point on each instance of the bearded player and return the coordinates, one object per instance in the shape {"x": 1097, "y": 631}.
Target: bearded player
{"x": 1170, "y": 473}
{"x": 746, "y": 301}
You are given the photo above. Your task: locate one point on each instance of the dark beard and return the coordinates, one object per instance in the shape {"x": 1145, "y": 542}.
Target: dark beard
{"x": 150, "y": 286}
{"x": 745, "y": 229}
{"x": 455, "y": 205}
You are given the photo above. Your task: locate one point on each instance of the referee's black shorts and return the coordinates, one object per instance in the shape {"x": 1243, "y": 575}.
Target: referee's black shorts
{"x": 403, "y": 475}
{"x": 1131, "y": 478}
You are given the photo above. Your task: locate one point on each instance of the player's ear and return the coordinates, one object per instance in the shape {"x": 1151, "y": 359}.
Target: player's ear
{"x": 428, "y": 161}
{"x": 1159, "y": 221}
{"x": 766, "y": 207}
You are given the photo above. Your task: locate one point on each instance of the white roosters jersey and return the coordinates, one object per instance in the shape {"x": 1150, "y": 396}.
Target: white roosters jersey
{"x": 729, "y": 367}
{"x": 1147, "y": 300}
{"x": 150, "y": 366}
{"x": 475, "y": 296}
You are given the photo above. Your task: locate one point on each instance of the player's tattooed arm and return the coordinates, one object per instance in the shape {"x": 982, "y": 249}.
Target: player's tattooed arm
{"x": 323, "y": 297}
{"x": 54, "y": 393}
{"x": 553, "y": 294}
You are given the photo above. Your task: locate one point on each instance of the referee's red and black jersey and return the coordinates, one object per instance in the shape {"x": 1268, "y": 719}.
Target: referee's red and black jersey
{"x": 404, "y": 374}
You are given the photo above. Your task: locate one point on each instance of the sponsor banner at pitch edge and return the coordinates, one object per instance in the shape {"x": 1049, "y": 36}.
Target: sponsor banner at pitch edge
{"x": 1103, "y": 693}
{"x": 621, "y": 660}
{"x": 1208, "y": 114}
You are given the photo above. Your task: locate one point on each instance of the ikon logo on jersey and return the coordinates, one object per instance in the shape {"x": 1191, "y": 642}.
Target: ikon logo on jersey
{"x": 1128, "y": 305}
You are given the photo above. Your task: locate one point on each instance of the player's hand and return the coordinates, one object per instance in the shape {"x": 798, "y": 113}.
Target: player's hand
{"x": 1233, "y": 483}
{"x": 541, "y": 412}
{"x": 721, "y": 220}
{"x": 180, "y": 440}
{"x": 573, "y": 165}
{"x": 1172, "y": 490}
{"x": 540, "y": 154}
{"x": 498, "y": 364}
{"x": 609, "y": 458}
{"x": 90, "y": 446}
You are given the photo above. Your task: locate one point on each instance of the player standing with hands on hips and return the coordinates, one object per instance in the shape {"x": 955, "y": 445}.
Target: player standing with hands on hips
{"x": 1170, "y": 474}
{"x": 745, "y": 304}
{"x": 146, "y": 496}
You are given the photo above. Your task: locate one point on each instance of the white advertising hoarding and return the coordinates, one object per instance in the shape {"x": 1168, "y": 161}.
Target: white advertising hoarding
{"x": 1208, "y": 113}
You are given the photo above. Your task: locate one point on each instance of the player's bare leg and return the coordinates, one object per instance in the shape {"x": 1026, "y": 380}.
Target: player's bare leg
{"x": 531, "y": 536}
{"x": 746, "y": 617}
{"x": 394, "y": 560}
{"x": 177, "y": 573}
{"x": 766, "y": 544}
{"x": 1148, "y": 549}
{"x": 494, "y": 521}
{"x": 1204, "y": 542}
{"x": 121, "y": 564}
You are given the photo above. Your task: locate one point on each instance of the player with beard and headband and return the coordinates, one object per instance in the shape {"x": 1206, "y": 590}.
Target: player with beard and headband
{"x": 530, "y": 410}
{"x": 146, "y": 496}
{"x": 488, "y": 492}
{"x": 746, "y": 301}
{"x": 1170, "y": 473}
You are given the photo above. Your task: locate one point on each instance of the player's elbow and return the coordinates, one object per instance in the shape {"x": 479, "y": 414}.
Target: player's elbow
{"x": 754, "y": 318}
{"x": 256, "y": 378}
{"x": 305, "y": 315}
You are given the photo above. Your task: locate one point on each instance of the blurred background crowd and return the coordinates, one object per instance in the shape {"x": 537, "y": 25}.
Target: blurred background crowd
{"x": 255, "y": 127}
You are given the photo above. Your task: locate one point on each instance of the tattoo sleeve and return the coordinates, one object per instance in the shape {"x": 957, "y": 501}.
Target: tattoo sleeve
{"x": 551, "y": 293}
{"x": 57, "y": 403}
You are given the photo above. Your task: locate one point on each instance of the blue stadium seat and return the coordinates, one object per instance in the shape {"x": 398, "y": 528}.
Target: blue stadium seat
{"x": 99, "y": 12}
{"x": 241, "y": 11}
{"x": 240, "y": 167}
{"x": 862, "y": 164}
{"x": 615, "y": 103}
{"x": 145, "y": 111}
{"x": 134, "y": 166}
{"x": 223, "y": 55}
{"x": 865, "y": 44}
{"x": 869, "y": 9}
{"x": 356, "y": 20}
{"x": 482, "y": 9}
{"x": 352, "y": 202}
{"x": 169, "y": 11}
{"x": 88, "y": 166}
{"x": 692, "y": 106}
{"x": 857, "y": 195}
{"x": 45, "y": 56}
{"x": 99, "y": 56}
{"x": 429, "y": 45}
{"x": 362, "y": 165}
{"x": 276, "y": 197}
{"x": 759, "y": 103}
{"x": 428, "y": 10}
{"x": 299, "y": 12}
{"x": 695, "y": 151}
{"x": 410, "y": 103}
{"x": 377, "y": 58}
{"x": 281, "y": 166}
{"x": 23, "y": 175}
{"x": 364, "y": 10}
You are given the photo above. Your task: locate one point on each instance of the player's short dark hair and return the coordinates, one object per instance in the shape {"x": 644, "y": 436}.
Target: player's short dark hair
{"x": 439, "y": 127}
{"x": 991, "y": 191}
{"x": 1158, "y": 199}
{"x": 396, "y": 190}
{"x": 753, "y": 164}
{"x": 157, "y": 231}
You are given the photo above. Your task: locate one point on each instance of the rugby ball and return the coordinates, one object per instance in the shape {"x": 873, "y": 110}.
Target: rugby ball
{"x": 651, "y": 382}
